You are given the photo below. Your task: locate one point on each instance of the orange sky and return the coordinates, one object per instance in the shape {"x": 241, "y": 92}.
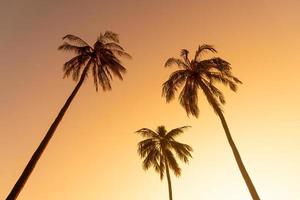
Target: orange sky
{"x": 93, "y": 153}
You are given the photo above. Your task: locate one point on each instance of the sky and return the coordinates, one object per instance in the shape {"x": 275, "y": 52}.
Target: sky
{"x": 93, "y": 152}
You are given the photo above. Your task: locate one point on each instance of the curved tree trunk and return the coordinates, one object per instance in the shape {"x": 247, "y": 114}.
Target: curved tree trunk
{"x": 234, "y": 149}
{"x": 169, "y": 180}
{"x": 238, "y": 158}
{"x": 38, "y": 152}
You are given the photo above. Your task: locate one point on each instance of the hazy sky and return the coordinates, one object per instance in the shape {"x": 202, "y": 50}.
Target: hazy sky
{"x": 93, "y": 153}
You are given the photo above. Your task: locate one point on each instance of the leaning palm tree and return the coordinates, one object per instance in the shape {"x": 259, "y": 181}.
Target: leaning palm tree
{"x": 157, "y": 149}
{"x": 203, "y": 74}
{"x": 102, "y": 61}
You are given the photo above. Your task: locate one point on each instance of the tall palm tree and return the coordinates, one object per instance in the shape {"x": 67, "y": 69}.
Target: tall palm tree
{"x": 203, "y": 74}
{"x": 157, "y": 151}
{"x": 102, "y": 61}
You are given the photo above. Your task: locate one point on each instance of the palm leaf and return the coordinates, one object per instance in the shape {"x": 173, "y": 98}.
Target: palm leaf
{"x": 120, "y": 53}
{"x": 188, "y": 97}
{"x": 109, "y": 36}
{"x": 175, "y": 81}
{"x": 210, "y": 98}
{"x": 176, "y": 61}
{"x": 162, "y": 167}
{"x": 184, "y": 54}
{"x": 145, "y": 146}
{"x": 175, "y": 132}
{"x": 204, "y": 49}
{"x": 76, "y": 39}
{"x": 182, "y": 150}
{"x": 214, "y": 90}
{"x": 152, "y": 159}
{"x": 103, "y": 79}
{"x": 74, "y": 66}
{"x": 145, "y": 132}
{"x": 77, "y": 49}
{"x": 172, "y": 162}
{"x": 222, "y": 79}
{"x": 161, "y": 131}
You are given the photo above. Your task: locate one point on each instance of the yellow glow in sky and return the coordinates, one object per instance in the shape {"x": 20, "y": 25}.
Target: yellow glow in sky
{"x": 93, "y": 152}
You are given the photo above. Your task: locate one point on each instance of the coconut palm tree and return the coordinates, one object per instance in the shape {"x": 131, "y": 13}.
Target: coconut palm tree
{"x": 203, "y": 74}
{"x": 157, "y": 150}
{"x": 102, "y": 61}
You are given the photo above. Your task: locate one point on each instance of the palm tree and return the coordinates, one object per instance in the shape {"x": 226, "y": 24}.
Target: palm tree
{"x": 102, "y": 61}
{"x": 157, "y": 151}
{"x": 203, "y": 74}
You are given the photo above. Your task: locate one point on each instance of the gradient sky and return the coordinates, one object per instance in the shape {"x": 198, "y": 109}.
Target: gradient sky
{"x": 93, "y": 155}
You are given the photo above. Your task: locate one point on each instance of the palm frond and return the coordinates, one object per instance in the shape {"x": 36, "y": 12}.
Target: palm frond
{"x": 152, "y": 158}
{"x": 148, "y": 150}
{"x": 112, "y": 36}
{"x": 175, "y": 81}
{"x": 188, "y": 97}
{"x": 74, "y": 66}
{"x": 109, "y": 36}
{"x": 108, "y": 60}
{"x": 172, "y": 162}
{"x": 145, "y": 146}
{"x": 103, "y": 79}
{"x": 116, "y": 68}
{"x": 113, "y": 45}
{"x": 225, "y": 80}
{"x": 214, "y": 64}
{"x": 175, "y": 132}
{"x": 204, "y": 48}
{"x": 76, "y": 49}
{"x": 162, "y": 167}
{"x": 161, "y": 131}
{"x": 120, "y": 53}
{"x": 106, "y": 68}
{"x": 221, "y": 64}
{"x": 185, "y": 55}
{"x": 75, "y": 39}
{"x": 95, "y": 75}
{"x": 237, "y": 80}
{"x": 210, "y": 98}
{"x": 183, "y": 151}
{"x": 117, "y": 50}
{"x": 176, "y": 61}
{"x": 146, "y": 132}
{"x": 229, "y": 75}
{"x": 215, "y": 91}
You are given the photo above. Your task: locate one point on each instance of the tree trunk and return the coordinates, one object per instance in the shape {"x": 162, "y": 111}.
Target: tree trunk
{"x": 238, "y": 159}
{"x": 235, "y": 151}
{"x": 38, "y": 152}
{"x": 169, "y": 180}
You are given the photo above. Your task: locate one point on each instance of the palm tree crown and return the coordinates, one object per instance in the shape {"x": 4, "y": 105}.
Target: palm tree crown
{"x": 101, "y": 58}
{"x": 157, "y": 149}
{"x": 199, "y": 73}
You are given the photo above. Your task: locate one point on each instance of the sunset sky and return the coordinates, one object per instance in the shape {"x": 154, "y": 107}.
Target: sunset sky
{"x": 93, "y": 154}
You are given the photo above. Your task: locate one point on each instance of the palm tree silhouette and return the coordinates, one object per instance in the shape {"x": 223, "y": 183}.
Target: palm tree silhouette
{"x": 157, "y": 151}
{"x": 200, "y": 73}
{"x": 102, "y": 61}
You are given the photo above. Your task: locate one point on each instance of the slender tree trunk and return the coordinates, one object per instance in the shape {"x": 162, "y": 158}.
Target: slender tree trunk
{"x": 169, "y": 180}
{"x": 234, "y": 149}
{"x": 238, "y": 158}
{"x": 38, "y": 152}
